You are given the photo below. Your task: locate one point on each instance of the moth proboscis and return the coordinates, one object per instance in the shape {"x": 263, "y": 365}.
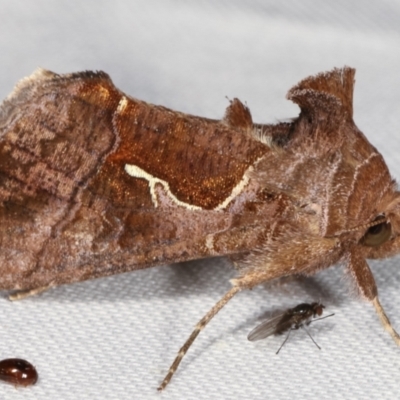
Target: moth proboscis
{"x": 94, "y": 183}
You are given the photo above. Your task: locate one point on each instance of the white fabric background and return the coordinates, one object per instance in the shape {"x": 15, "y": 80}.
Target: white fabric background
{"x": 115, "y": 338}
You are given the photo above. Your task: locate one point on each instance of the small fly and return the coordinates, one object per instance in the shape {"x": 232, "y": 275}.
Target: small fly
{"x": 290, "y": 320}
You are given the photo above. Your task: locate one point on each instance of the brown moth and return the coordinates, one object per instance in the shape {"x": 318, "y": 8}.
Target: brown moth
{"x": 94, "y": 183}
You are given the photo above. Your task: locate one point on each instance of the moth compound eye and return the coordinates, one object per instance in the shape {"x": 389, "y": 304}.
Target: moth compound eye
{"x": 377, "y": 234}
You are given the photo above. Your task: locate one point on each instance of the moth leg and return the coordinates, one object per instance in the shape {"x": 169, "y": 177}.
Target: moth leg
{"x": 23, "y": 294}
{"x": 199, "y": 327}
{"x": 385, "y": 320}
{"x": 365, "y": 282}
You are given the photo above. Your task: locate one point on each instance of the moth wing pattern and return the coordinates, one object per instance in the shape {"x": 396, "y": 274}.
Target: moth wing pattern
{"x": 94, "y": 182}
{"x": 48, "y": 152}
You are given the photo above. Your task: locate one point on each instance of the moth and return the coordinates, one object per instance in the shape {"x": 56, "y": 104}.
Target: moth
{"x": 292, "y": 319}
{"x": 94, "y": 183}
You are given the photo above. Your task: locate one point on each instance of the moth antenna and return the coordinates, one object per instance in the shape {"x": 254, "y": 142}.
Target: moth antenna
{"x": 199, "y": 327}
{"x": 369, "y": 225}
{"x": 308, "y": 333}
{"x": 385, "y": 320}
{"x": 286, "y": 339}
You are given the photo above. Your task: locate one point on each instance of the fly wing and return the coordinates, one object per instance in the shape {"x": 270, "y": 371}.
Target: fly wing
{"x": 274, "y": 325}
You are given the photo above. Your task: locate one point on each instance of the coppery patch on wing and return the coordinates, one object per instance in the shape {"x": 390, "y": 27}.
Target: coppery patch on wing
{"x": 192, "y": 154}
